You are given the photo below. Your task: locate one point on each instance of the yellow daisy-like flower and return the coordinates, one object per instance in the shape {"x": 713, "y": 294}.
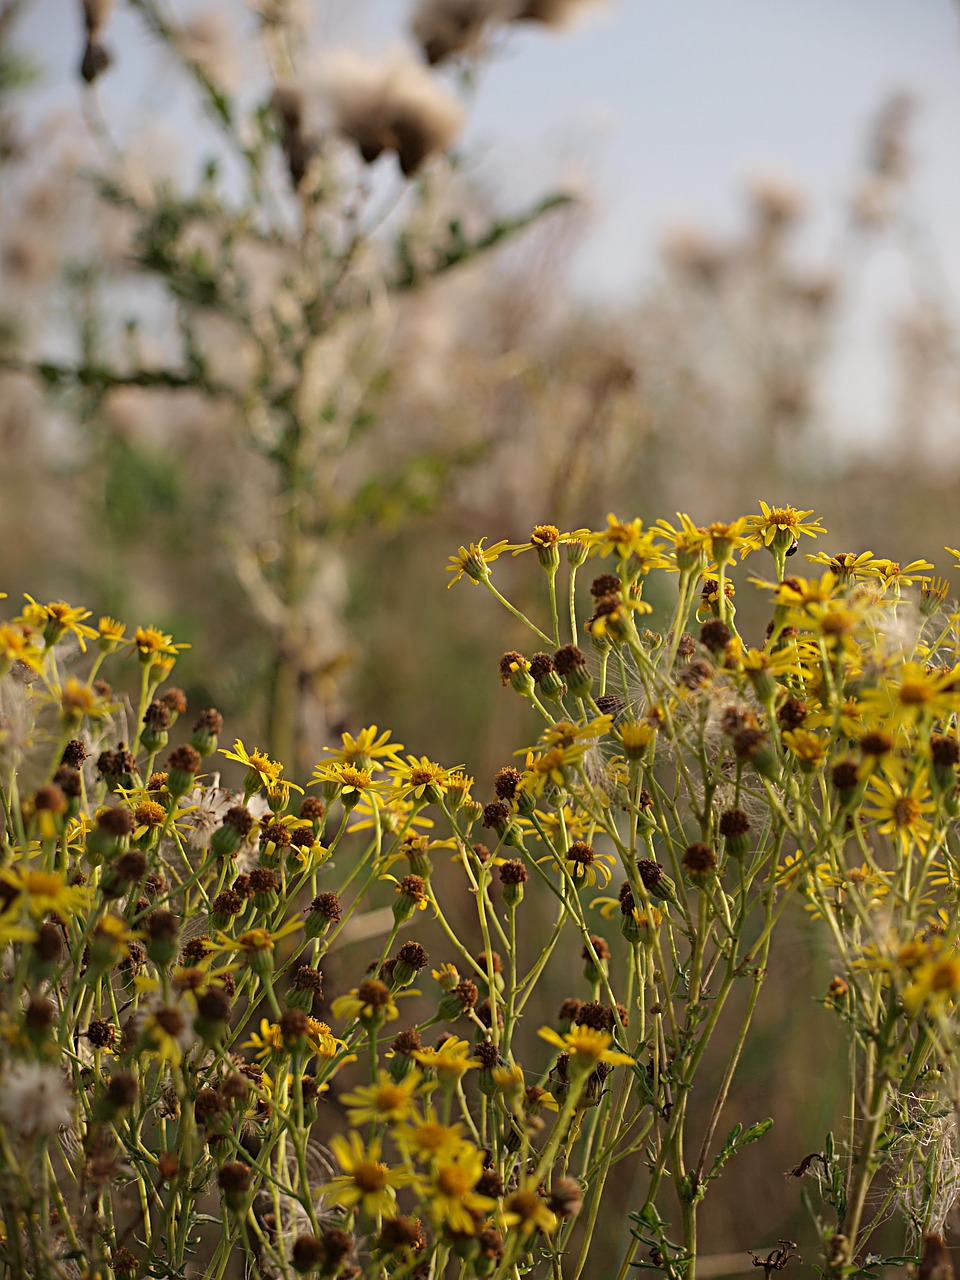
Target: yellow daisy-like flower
{"x": 451, "y": 1061}
{"x": 151, "y": 643}
{"x": 46, "y": 892}
{"x": 348, "y": 778}
{"x": 256, "y": 942}
{"x": 79, "y": 701}
{"x": 910, "y": 694}
{"x": 544, "y": 538}
{"x": 366, "y": 1182}
{"x": 935, "y": 985}
{"x": 689, "y": 543}
{"x": 11, "y": 930}
{"x": 892, "y": 574}
{"x": 777, "y": 528}
{"x": 426, "y": 1139}
{"x": 725, "y": 537}
{"x": 810, "y": 749}
{"x": 110, "y": 633}
{"x": 901, "y": 813}
{"x": 392, "y": 813}
{"x": 368, "y": 1001}
{"x": 262, "y": 772}
{"x": 586, "y": 1047}
{"x": 524, "y": 1211}
{"x": 268, "y": 1042}
{"x": 388, "y": 1100}
{"x": 473, "y": 561}
{"x": 451, "y": 1199}
{"x": 422, "y": 779}
{"x": 366, "y": 748}
{"x": 56, "y": 619}
{"x": 633, "y": 545}
{"x": 15, "y": 646}
{"x": 846, "y": 565}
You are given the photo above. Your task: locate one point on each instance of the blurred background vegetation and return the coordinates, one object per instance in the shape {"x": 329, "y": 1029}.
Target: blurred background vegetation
{"x": 256, "y": 389}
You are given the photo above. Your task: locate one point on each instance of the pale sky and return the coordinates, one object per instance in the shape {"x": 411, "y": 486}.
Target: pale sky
{"x": 665, "y": 107}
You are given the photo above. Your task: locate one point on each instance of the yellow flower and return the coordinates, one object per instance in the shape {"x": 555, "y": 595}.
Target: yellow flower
{"x": 810, "y": 748}
{"x": 450, "y": 1062}
{"x": 366, "y": 1182}
{"x": 909, "y": 694}
{"x": 778, "y": 528}
{"x": 892, "y": 573}
{"x": 56, "y": 619}
{"x": 387, "y": 1100}
{"x": 78, "y": 701}
{"x": 472, "y": 561}
{"x": 371, "y": 1000}
{"x": 366, "y": 748}
{"x": 256, "y": 942}
{"x": 450, "y": 1196}
{"x": 422, "y": 779}
{"x": 151, "y": 643}
{"x": 15, "y": 646}
{"x": 392, "y": 814}
{"x": 846, "y": 564}
{"x": 427, "y": 1139}
{"x": 935, "y": 985}
{"x": 635, "y": 547}
{"x": 46, "y": 892}
{"x": 110, "y": 633}
{"x": 586, "y": 1047}
{"x": 901, "y": 813}
{"x": 525, "y": 1210}
{"x": 545, "y": 538}
{"x": 348, "y": 779}
{"x": 690, "y": 543}
{"x": 262, "y": 772}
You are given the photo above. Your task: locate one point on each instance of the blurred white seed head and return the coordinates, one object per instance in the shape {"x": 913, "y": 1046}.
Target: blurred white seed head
{"x": 34, "y": 1099}
{"x": 447, "y": 27}
{"x": 551, "y": 13}
{"x": 390, "y": 104}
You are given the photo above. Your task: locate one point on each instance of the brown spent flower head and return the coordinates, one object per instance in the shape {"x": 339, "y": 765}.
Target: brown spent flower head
{"x": 792, "y": 713}
{"x": 565, "y": 1197}
{"x": 496, "y": 815}
{"x": 275, "y": 833}
{"x": 407, "y": 1043}
{"x": 944, "y": 751}
{"x": 551, "y": 13}
{"x": 715, "y": 635}
{"x": 508, "y": 662}
{"x": 157, "y": 717}
{"x": 596, "y": 1015}
{"x": 611, "y": 704}
{"x": 69, "y": 781}
{"x": 876, "y": 743}
{"x": 506, "y": 782}
{"x": 413, "y": 955}
{"x": 327, "y": 905}
{"x": 185, "y": 759}
{"x": 570, "y": 1008}
{"x": 116, "y": 821}
{"x": 74, "y": 753}
{"x": 309, "y": 979}
{"x": 651, "y": 873}
{"x": 175, "y": 700}
{"x": 569, "y": 659}
{"x": 733, "y": 822}
{"x": 400, "y": 1234}
{"x": 513, "y": 872}
{"x": 695, "y": 674}
{"x": 607, "y": 584}
{"x": 699, "y": 861}
{"x": 541, "y": 666}
{"x": 845, "y": 775}
{"x": 687, "y": 646}
{"x": 581, "y": 853}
